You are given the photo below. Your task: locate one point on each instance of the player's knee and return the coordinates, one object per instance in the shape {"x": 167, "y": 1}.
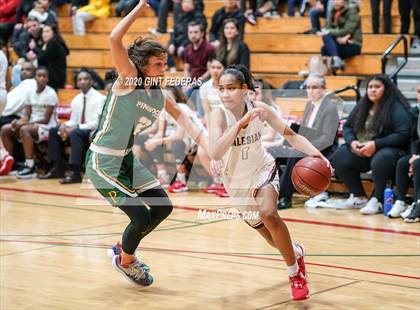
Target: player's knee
{"x": 269, "y": 217}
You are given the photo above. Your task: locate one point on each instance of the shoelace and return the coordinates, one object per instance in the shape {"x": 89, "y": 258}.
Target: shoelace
{"x": 297, "y": 281}
{"x": 136, "y": 271}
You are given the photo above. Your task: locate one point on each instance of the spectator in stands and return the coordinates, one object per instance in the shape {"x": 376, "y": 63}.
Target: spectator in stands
{"x": 291, "y": 4}
{"x": 53, "y": 55}
{"x": 86, "y": 108}
{"x": 171, "y": 5}
{"x": 169, "y": 136}
{"x": 230, "y": 10}
{"x": 343, "y": 35}
{"x": 386, "y": 12}
{"x": 27, "y": 38}
{"x": 24, "y": 8}
{"x": 405, "y": 7}
{"x": 124, "y": 7}
{"x": 209, "y": 91}
{"x": 405, "y": 170}
{"x": 41, "y": 12}
{"x": 408, "y": 167}
{"x": 3, "y": 71}
{"x": 24, "y": 69}
{"x": 179, "y": 37}
{"x": 232, "y": 49}
{"x": 319, "y": 125}
{"x": 7, "y": 18}
{"x": 95, "y": 9}
{"x": 376, "y": 134}
{"x": 33, "y": 127}
{"x": 16, "y": 98}
{"x": 197, "y": 54}
{"x": 319, "y": 8}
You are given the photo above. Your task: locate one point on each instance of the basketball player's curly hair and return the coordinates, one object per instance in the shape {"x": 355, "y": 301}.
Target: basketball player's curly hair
{"x": 142, "y": 49}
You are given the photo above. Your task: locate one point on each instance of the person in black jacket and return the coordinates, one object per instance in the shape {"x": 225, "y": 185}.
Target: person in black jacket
{"x": 179, "y": 37}
{"x": 53, "y": 55}
{"x": 229, "y": 10}
{"x": 377, "y": 134}
{"x": 27, "y": 38}
{"x": 232, "y": 50}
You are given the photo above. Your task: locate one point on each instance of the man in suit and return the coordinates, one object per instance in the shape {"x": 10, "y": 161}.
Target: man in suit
{"x": 319, "y": 125}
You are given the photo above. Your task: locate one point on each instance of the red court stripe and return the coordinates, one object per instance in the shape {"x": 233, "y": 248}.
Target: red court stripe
{"x": 219, "y": 254}
{"x": 313, "y": 222}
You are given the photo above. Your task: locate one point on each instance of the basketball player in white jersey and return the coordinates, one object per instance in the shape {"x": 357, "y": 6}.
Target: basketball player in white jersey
{"x": 249, "y": 171}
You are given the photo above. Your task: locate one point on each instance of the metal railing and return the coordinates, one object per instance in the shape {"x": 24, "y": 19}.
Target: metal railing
{"x": 394, "y": 75}
{"x": 354, "y": 88}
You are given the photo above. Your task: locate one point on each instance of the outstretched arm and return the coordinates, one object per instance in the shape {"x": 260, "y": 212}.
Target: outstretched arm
{"x": 123, "y": 64}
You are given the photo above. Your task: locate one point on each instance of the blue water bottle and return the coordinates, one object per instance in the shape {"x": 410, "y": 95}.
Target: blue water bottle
{"x": 388, "y": 198}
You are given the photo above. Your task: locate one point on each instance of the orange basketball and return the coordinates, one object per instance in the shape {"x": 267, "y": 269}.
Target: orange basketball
{"x": 311, "y": 176}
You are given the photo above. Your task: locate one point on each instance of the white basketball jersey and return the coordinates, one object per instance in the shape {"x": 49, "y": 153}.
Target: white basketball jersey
{"x": 246, "y": 160}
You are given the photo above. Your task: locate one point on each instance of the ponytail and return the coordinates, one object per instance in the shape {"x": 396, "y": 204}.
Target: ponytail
{"x": 241, "y": 74}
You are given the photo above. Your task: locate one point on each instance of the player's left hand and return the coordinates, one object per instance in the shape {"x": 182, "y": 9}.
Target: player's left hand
{"x": 368, "y": 148}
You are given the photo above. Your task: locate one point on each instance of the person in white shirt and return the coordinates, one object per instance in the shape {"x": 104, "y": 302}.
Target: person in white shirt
{"x": 209, "y": 94}
{"x": 39, "y": 116}
{"x": 13, "y": 109}
{"x": 3, "y": 71}
{"x": 86, "y": 108}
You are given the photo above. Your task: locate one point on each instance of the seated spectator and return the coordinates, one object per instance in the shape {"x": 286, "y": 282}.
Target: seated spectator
{"x": 291, "y": 4}
{"x": 197, "y": 54}
{"x": 8, "y": 10}
{"x": 95, "y": 9}
{"x": 33, "y": 127}
{"x": 27, "y": 38}
{"x": 165, "y": 7}
{"x": 209, "y": 91}
{"x": 408, "y": 167}
{"x": 168, "y": 136}
{"x": 53, "y": 55}
{"x": 52, "y": 15}
{"x": 343, "y": 35}
{"x": 41, "y": 12}
{"x": 22, "y": 12}
{"x": 319, "y": 125}
{"x": 321, "y": 8}
{"x": 232, "y": 49}
{"x": 179, "y": 37}
{"x": 376, "y": 134}
{"x": 386, "y": 12}
{"x": 15, "y": 103}
{"x": 3, "y": 72}
{"x": 86, "y": 108}
{"x": 230, "y": 10}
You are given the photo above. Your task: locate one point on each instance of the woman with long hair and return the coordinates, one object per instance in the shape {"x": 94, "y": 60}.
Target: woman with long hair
{"x": 52, "y": 55}
{"x": 377, "y": 134}
{"x": 249, "y": 172}
{"x": 232, "y": 49}
{"x": 133, "y": 104}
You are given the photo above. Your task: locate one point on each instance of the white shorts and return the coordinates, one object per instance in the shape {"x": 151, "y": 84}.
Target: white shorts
{"x": 43, "y": 132}
{"x": 243, "y": 196}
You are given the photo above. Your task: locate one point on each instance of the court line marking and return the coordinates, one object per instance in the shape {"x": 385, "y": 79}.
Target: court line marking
{"x": 219, "y": 254}
{"x": 311, "y": 294}
{"x": 313, "y": 222}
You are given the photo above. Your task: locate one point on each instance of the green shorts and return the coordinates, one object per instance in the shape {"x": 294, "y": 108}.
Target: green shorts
{"x": 118, "y": 178}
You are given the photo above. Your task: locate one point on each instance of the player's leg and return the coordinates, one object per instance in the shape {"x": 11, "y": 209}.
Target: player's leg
{"x": 266, "y": 198}
{"x": 28, "y": 135}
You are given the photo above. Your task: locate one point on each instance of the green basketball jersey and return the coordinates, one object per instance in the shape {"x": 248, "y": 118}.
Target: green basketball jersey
{"x": 125, "y": 116}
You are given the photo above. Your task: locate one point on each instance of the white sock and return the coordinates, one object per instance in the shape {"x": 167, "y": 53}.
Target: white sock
{"x": 182, "y": 177}
{"x": 217, "y": 180}
{"x": 29, "y": 163}
{"x": 297, "y": 249}
{"x": 3, "y": 154}
{"x": 293, "y": 270}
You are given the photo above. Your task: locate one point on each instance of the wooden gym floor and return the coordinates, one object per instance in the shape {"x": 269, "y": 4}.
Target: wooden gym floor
{"x": 53, "y": 256}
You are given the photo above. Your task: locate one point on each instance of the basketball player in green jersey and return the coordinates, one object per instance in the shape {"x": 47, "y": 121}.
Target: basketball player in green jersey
{"x": 130, "y": 108}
